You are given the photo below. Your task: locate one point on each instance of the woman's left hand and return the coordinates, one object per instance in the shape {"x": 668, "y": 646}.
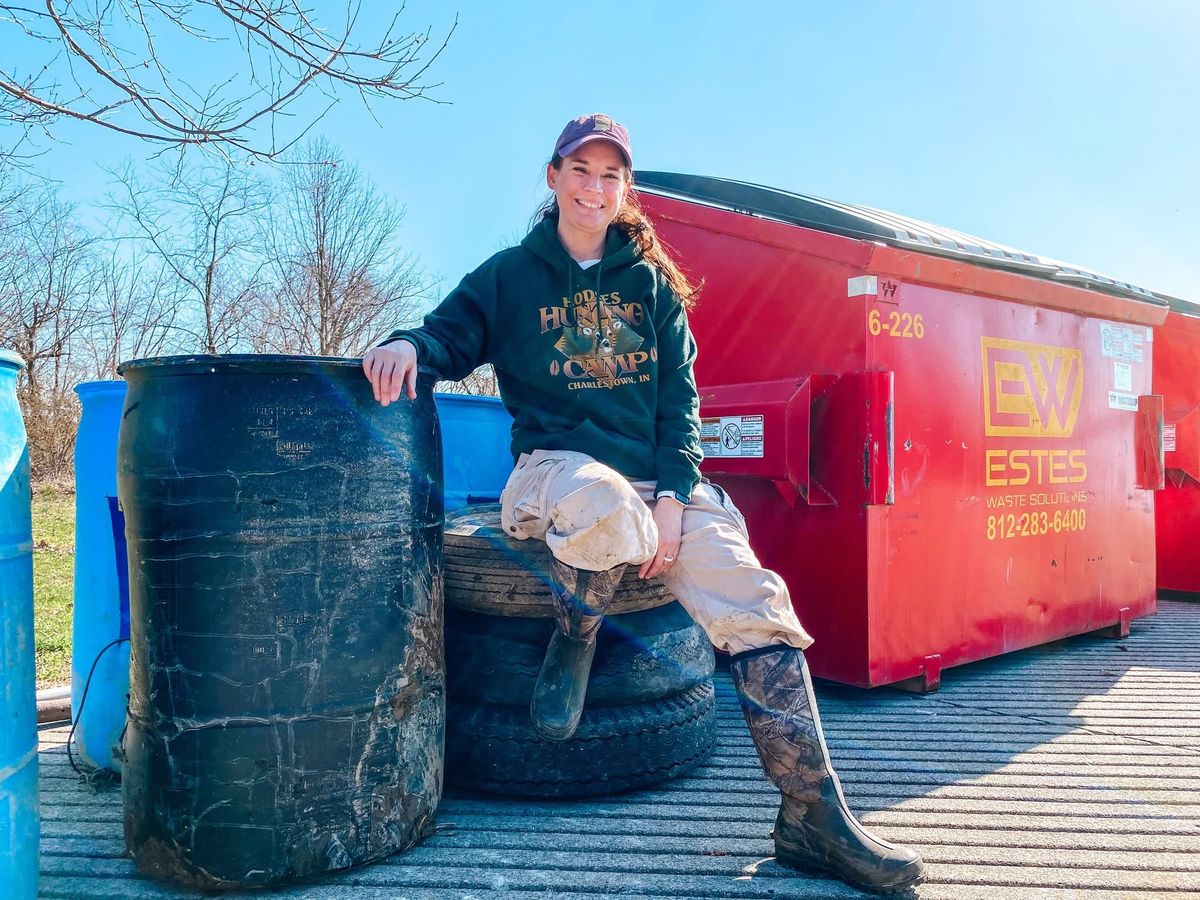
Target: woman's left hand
{"x": 668, "y": 516}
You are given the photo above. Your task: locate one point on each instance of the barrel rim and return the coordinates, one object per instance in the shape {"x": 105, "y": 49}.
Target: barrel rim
{"x": 100, "y": 386}
{"x": 268, "y": 361}
{"x": 10, "y": 358}
{"x": 487, "y": 399}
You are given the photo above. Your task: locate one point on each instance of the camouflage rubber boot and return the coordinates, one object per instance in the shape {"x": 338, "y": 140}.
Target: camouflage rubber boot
{"x": 815, "y": 830}
{"x": 580, "y": 599}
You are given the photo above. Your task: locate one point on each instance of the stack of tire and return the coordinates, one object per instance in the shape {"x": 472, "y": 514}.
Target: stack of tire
{"x": 650, "y": 713}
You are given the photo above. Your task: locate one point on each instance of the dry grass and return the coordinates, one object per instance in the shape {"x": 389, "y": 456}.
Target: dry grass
{"x": 53, "y": 583}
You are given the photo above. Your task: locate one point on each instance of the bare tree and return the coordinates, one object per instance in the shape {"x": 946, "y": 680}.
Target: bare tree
{"x": 114, "y": 64}
{"x": 201, "y": 221}
{"x": 480, "y": 383}
{"x": 134, "y": 314}
{"x": 338, "y": 279}
{"x": 47, "y": 275}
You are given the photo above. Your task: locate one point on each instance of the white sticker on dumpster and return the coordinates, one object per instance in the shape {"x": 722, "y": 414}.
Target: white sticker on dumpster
{"x": 1169, "y": 438}
{"x": 1121, "y": 342}
{"x": 731, "y": 436}
{"x": 1117, "y": 400}
{"x": 1122, "y": 376}
{"x": 862, "y": 285}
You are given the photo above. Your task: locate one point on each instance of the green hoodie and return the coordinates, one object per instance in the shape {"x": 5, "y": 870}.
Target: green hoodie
{"x": 596, "y": 360}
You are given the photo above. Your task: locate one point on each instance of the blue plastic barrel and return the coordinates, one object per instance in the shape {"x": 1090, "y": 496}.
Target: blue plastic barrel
{"x": 476, "y": 454}
{"x": 101, "y": 581}
{"x": 18, "y": 709}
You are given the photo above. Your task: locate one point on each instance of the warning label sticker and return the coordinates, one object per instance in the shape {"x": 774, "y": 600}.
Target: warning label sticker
{"x": 1121, "y": 342}
{"x": 1169, "y": 438}
{"x": 731, "y": 436}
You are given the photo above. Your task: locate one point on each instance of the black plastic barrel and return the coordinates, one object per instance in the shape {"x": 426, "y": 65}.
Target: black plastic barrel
{"x": 287, "y": 683}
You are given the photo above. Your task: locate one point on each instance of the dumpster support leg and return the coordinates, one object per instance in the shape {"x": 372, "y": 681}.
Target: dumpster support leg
{"x": 1121, "y": 629}
{"x": 928, "y": 681}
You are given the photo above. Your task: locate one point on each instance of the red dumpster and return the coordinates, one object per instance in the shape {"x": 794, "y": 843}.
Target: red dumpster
{"x": 948, "y": 448}
{"x": 1177, "y": 508}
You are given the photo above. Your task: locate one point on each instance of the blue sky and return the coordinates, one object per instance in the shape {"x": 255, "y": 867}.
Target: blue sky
{"x": 1064, "y": 128}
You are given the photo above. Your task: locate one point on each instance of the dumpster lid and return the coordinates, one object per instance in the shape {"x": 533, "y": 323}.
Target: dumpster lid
{"x": 1183, "y": 307}
{"x": 865, "y": 223}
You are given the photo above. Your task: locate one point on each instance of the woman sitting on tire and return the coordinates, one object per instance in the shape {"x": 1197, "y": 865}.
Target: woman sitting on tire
{"x": 586, "y": 324}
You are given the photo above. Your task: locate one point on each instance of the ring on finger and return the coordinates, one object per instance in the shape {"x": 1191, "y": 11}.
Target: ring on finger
{"x": 668, "y": 559}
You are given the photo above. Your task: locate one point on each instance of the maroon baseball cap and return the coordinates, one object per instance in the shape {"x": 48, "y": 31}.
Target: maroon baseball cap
{"x": 596, "y": 127}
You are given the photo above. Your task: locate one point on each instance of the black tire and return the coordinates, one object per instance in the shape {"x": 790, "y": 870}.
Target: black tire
{"x": 640, "y": 657}
{"x": 489, "y": 572}
{"x": 494, "y": 749}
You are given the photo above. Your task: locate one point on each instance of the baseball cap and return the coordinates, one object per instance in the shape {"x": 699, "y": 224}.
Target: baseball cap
{"x": 596, "y": 127}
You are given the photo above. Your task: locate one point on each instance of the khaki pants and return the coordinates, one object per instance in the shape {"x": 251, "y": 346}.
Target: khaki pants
{"x": 592, "y": 517}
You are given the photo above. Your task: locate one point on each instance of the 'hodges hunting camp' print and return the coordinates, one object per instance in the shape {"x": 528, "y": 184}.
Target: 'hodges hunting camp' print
{"x": 597, "y": 336}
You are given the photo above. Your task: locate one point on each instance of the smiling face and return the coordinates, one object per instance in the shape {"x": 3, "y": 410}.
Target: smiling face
{"x": 590, "y": 185}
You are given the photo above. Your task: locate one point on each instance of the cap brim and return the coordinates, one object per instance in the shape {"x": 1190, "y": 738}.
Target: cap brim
{"x": 575, "y": 145}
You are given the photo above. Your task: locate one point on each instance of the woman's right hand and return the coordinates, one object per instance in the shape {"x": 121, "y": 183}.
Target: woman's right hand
{"x": 391, "y": 369}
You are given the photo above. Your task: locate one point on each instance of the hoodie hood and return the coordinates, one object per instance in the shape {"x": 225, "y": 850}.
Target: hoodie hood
{"x": 542, "y": 241}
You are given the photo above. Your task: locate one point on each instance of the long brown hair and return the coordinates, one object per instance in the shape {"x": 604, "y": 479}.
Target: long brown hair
{"x": 636, "y": 225}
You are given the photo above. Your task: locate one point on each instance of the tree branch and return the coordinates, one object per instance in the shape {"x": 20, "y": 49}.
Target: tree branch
{"x": 131, "y": 89}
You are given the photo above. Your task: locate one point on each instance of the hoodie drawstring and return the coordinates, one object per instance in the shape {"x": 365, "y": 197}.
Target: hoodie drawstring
{"x": 571, "y": 285}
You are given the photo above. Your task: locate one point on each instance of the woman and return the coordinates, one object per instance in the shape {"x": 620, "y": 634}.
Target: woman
{"x": 586, "y": 325}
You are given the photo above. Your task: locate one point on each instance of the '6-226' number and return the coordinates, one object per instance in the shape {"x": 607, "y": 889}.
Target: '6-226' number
{"x": 896, "y": 324}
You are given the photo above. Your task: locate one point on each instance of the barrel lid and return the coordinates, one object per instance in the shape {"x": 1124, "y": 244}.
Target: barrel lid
{"x": 92, "y": 388}
{"x": 245, "y": 362}
{"x": 865, "y": 223}
{"x": 9, "y": 358}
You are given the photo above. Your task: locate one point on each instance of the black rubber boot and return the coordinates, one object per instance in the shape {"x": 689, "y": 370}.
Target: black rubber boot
{"x": 815, "y": 830}
{"x": 580, "y": 599}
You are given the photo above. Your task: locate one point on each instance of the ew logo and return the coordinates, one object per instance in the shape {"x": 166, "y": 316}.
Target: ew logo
{"x": 1030, "y": 390}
